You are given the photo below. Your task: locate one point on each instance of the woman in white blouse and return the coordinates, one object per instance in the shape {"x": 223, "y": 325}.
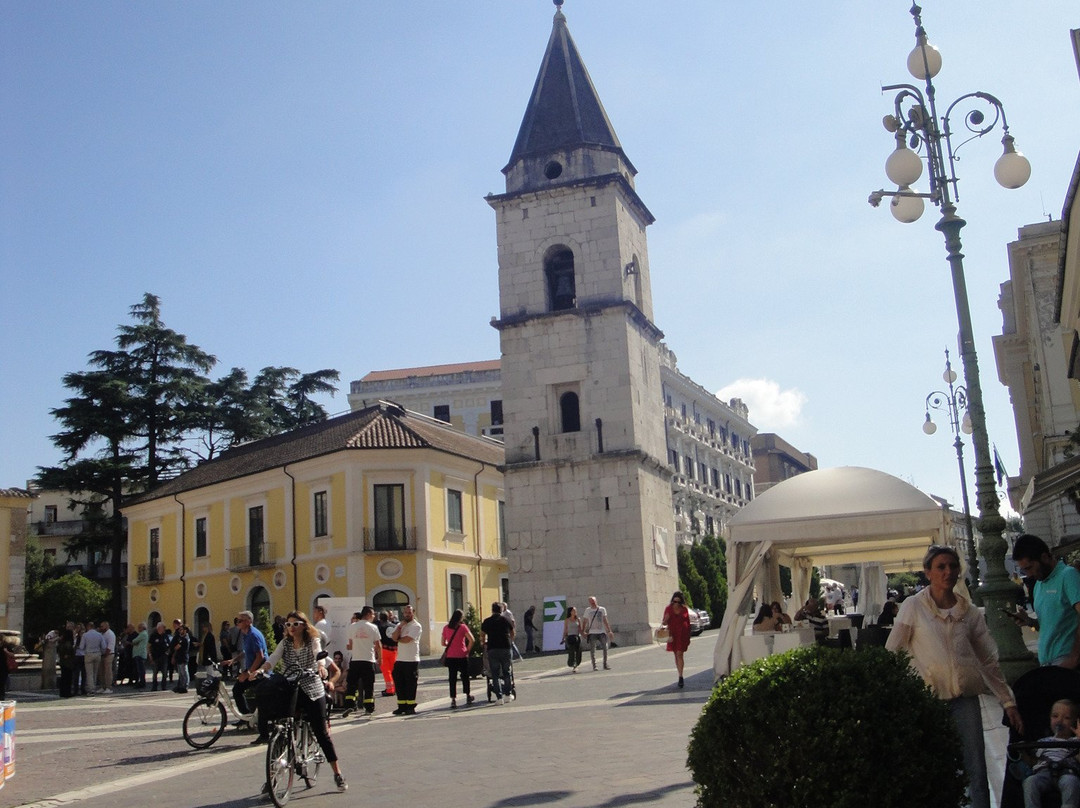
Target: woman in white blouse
{"x": 953, "y": 651}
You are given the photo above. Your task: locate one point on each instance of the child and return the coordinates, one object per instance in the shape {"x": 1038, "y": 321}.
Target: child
{"x": 1057, "y": 768}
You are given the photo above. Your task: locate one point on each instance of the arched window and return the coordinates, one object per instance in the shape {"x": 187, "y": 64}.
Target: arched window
{"x": 153, "y": 620}
{"x": 559, "y": 272}
{"x": 259, "y": 598}
{"x": 202, "y": 618}
{"x": 390, "y": 600}
{"x": 570, "y": 412}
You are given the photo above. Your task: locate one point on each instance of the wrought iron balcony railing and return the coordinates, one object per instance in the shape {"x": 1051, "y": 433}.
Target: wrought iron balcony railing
{"x": 264, "y": 554}
{"x": 389, "y": 540}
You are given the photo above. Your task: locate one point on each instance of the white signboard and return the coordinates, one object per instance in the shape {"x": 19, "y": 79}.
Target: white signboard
{"x": 339, "y": 612}
{"x": 553, "y": 614}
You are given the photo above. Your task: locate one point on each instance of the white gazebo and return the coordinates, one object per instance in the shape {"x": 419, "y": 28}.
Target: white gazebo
{"x": 846, "y": 515}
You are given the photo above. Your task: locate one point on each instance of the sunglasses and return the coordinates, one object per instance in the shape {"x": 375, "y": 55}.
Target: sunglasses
{"x": 291, "y": 624}
{"x": 677, "y": 601}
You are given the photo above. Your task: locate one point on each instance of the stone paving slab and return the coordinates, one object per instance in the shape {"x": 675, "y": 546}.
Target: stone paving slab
{"x": 580, "y": 740}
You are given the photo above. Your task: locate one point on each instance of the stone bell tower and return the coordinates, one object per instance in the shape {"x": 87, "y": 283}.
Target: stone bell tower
{"x": 588, "y": 488}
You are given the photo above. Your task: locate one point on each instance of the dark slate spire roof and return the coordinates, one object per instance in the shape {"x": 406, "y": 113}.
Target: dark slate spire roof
{"x": 383, "y": 426}
{"x": 564, "y": 110}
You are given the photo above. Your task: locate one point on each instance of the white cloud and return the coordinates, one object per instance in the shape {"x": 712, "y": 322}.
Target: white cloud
{"x": 770, "y": 407}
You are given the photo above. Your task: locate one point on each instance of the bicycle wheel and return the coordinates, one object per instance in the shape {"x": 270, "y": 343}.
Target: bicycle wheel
{"x": 280, "y": 765}
{"x": 203, "y": 723}
{"x": 309, "y": 754}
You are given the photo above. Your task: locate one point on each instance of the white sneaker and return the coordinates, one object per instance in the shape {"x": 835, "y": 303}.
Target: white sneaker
{"x": 499, "y": 700}
{"x": 106, "y": 690}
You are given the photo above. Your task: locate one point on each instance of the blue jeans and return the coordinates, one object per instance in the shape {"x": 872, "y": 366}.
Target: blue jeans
{"x": 967, "y": 713}
{"x": 499, "y": 669}
{"x": 1043, "y": 782}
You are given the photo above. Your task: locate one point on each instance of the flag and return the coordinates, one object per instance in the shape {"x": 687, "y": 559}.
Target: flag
{"x": 999, "y": 467}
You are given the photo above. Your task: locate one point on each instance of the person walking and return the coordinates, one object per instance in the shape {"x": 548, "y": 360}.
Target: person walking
{"x": 365, "y": 645}
{"x": 458, "y": 641}
{"x": 530, "y": 629}
{"x": 497, "y": 636}
{"x": 571, "y": 638}
{"x": 389, "y": 653}
{"x": 952, "y": 650}
{"x": 677, "y": 621}
{"x": 596, "y": 627}
{"x": 407, "y": 668}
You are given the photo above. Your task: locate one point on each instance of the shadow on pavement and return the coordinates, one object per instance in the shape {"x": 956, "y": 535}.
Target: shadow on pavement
{"x": 534, "y": 798}
{"x": 168, "y": 756}
{"x": 645, "y": 796}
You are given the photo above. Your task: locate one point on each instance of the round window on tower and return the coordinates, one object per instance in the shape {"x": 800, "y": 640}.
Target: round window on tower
{"x": 553, "y": 169}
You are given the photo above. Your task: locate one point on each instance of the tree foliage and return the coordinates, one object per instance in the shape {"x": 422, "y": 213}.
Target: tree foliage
{"x": 703, "y": 575}
{"x": 146, "y": 410}
{"x": 71, "y": 597}
{"x": 760, "y": 738}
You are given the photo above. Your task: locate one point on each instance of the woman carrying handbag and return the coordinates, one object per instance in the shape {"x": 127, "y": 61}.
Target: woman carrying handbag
{"x": 458, "y": 641}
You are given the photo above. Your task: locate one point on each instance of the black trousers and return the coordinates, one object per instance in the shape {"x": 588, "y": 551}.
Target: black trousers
{"x": 458, "y": 666}
{"x": 361, "y": 678}
{"x": 406, "y": 679}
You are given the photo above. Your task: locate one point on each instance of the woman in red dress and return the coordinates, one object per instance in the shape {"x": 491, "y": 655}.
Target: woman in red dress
{"x": 677, "y": 621}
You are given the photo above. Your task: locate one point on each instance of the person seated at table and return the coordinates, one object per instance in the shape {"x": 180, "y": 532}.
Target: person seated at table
{"x": 812, "y": 614}
{"x": 779, "y": 613}
{"x": 765, "y": 621}
{"x": 888, "y": 613}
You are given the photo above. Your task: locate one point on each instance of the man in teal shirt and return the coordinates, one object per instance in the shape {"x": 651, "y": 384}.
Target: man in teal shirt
{"x": 1056, "y": 601}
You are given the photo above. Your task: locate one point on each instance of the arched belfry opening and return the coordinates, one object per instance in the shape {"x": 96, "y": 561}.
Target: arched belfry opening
{"x": 570, "y": 412}
{"x": 559, "y": 272}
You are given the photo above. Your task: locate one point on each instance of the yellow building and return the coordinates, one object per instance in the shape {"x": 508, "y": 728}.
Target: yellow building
{"x": 13, "y": 505}
{"x": 381, "y": 503}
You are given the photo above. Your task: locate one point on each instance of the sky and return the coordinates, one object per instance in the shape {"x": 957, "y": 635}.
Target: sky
{"x": 303, "y": 184}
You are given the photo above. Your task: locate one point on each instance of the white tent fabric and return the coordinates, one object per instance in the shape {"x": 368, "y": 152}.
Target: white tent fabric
{"x": 846, "y": 515}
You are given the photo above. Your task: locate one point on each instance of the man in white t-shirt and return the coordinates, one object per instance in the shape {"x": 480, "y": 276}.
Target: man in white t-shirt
{"x": 366, "y": 652}
{"x": 597, "y": 630}
{"x": 407, "y": 668}
{"x": 323, "y": 627}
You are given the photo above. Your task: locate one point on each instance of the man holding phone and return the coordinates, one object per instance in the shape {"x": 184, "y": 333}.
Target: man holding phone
{"x": 1056, "y": 601}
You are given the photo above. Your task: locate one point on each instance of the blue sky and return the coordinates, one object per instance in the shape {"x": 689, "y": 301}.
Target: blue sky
{"x": 302, "y": 184}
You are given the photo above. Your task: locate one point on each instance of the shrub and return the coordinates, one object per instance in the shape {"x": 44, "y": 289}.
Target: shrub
{"x": 821, "y": 726}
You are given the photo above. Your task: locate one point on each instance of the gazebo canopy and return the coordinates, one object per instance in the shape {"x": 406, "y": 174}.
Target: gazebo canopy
{"x": 846, "y": 515}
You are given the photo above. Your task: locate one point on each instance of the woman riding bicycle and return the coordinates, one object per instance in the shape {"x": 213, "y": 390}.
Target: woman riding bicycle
{"x": 298, "y": 650}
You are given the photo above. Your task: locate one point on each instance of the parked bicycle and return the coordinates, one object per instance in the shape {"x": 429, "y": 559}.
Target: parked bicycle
{"x": 207, "y": 718}
{"x": 292, "y": 749}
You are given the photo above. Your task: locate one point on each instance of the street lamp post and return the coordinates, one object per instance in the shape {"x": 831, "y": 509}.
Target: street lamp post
{"x": 915, "y": 127}
{"x": 952, "y": 404}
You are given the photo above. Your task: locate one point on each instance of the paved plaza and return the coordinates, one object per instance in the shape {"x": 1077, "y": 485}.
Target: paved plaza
{"x": 579, "y": 740}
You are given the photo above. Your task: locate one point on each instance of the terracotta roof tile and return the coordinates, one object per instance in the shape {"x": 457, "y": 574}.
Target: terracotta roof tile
{"x": 431, "y": 370}
{"x": 384, "y": 426}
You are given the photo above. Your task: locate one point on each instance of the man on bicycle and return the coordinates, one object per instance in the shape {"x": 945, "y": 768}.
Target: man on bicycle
{"x": 254, "y": 645}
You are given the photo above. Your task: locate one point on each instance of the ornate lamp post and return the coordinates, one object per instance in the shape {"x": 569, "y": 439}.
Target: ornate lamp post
{"x": 952, "y": 404}
{"x": 915, "y": 124}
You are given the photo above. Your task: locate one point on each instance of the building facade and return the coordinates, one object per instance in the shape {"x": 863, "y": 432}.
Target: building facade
{"x": 14, "y": 503}
{"x": 708, "y": 441}
{"x": 776, "y": 460}
{"x": 381, "y": 504}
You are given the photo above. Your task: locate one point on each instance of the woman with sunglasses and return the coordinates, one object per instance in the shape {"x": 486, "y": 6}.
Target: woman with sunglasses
{"x": 677, "y": 621}
{"x": 299, "y": 651}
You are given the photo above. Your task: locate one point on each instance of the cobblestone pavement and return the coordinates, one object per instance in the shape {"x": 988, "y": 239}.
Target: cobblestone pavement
{"x": 581, "y": 740}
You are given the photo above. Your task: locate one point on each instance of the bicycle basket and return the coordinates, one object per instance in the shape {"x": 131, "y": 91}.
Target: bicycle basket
{"x": 207, "y": 686}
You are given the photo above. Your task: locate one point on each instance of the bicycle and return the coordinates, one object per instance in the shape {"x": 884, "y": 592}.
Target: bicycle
{"x": 207, "y": 718}
{"x": 292, "y": 750}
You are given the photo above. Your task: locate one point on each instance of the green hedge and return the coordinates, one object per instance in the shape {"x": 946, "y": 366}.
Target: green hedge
{"x": 824, "y": 727}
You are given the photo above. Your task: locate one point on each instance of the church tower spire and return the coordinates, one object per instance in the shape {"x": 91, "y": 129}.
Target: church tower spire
{"x": 588, "y": 487}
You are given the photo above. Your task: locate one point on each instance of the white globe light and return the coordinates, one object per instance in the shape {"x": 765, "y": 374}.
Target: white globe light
{"x": 924, "y": 61}
{"x": 929, "y": 427}
{"x": 907, "y": 209}
{"x": 949, "y": 375}
{"x": 1012, "y": 169}
{"x": 965, "y": 425}
{"x": 903, "y": 166}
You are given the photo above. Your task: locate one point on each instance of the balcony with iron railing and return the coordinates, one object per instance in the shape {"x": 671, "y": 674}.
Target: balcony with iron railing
{"x": 150, "y": 573}
{"x": 253, "y": 556}
{"x": 389, "y": 539}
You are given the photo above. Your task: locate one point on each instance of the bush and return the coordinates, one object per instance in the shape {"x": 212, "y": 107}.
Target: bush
{"x": 72, "y": 597}
{"x": 821, "y": 726}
